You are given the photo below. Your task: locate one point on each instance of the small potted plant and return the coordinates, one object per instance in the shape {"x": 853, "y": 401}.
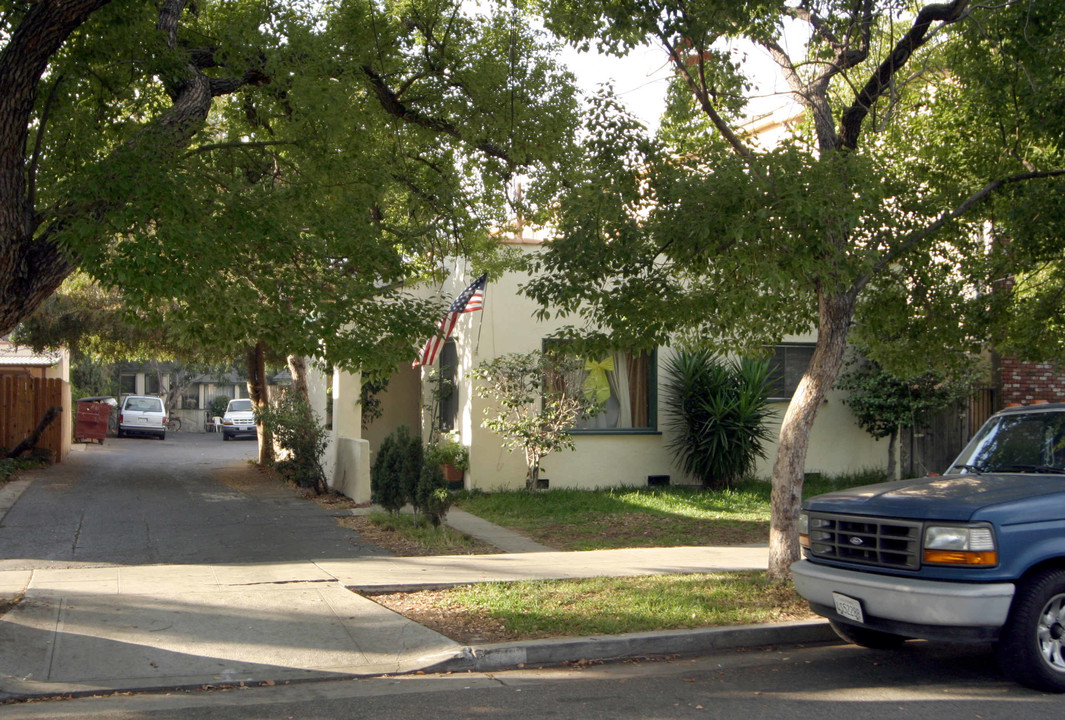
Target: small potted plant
{"x": 450, "y": 454}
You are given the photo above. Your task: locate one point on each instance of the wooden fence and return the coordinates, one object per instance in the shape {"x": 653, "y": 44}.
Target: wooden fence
{"x": 23, "y": 402}
{"x": 938, "y": 439}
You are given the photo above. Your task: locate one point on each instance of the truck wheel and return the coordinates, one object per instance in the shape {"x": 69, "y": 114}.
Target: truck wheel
{"x": 867, "y": 637}
{"x": 1031, "y": 649}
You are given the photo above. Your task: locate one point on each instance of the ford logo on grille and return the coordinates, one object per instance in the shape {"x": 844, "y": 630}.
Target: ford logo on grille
{"x": 856, "y": 541}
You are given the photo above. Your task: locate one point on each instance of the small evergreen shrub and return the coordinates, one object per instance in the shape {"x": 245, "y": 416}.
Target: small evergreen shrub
{"x": 396, "y": 471}
{"x": 434, "y": 499}
{"x": 385, "y": 487}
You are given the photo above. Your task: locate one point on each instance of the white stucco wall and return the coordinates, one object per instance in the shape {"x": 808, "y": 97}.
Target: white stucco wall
{"x": 507, "y": 324}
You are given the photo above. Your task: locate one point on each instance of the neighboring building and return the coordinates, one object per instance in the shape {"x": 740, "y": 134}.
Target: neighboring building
{"x": 1025, "y": 383}
{"x": 156, "y": 378}
{"x": 22, "y": 361}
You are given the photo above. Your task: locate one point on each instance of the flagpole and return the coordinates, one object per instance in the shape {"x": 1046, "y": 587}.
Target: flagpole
{"x": 480, "y": 323}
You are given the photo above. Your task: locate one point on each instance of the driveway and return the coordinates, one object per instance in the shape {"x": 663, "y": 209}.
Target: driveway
{"x": 142, "y": 501}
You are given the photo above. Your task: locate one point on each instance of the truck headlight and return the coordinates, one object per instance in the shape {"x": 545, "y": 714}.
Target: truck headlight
{"x": 960, "y": 545}
{"x": 804, "y": 529}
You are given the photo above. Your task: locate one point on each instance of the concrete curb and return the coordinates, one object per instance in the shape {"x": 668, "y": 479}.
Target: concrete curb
{"x": 557, "y": 651}
{"x": 10, "y": 493}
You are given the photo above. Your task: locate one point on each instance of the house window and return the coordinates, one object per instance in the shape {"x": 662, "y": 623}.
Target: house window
{"x": 448, "y": 387}
{"x": 786, "y": 368}
{"x": 151, "y": 384}
{"x": 622, "y": 384}
{"x": 190, "y": 398}
{"x": 127, "y": 384}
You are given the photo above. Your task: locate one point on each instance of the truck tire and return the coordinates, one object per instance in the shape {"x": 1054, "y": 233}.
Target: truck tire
{"x": 1031, "y": 649}
{"x": 867, "y": 637}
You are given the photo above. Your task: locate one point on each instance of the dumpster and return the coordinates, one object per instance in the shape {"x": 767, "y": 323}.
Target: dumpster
{"x": 91, "y": 421}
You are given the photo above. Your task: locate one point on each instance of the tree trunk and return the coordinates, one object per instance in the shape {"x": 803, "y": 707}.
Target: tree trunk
{"x": 532, "y": 475}
{"x": 259, "y": 393}
{"x": 297, "y": 367}
{"x": 893, "y": 441}
{"x": 30, "y": 268}
{"x": 834, "y": 318}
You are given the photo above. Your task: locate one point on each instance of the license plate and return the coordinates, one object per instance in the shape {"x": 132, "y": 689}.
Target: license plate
{"x": 849, "y": 607}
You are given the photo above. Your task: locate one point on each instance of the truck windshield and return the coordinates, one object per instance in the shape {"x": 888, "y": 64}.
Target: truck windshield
{"x": 1032, "y": 442}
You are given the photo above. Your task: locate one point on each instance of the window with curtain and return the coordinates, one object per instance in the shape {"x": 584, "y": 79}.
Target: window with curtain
{"x": 621, "y": 383}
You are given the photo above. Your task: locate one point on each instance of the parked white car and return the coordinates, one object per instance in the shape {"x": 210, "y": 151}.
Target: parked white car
{"x": 238, "y": 420}
{"x": 142, "y": 415}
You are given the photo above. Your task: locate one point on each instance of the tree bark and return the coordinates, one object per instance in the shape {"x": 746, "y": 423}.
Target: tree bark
{"x": 30, "y": 268}
{"x": 835, "y": 312}
{"x": 33, "y": 260}
{"x": 893, "y": 441}
{"x": 259, "y": 393}
{"x": 297, "y": 367}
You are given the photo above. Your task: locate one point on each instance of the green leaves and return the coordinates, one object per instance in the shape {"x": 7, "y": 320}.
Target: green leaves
{"x": 717, "y": 412}
{"x": 534, "y": 407}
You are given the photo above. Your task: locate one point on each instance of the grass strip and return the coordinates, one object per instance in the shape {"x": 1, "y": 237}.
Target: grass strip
{"x": 553, "y": 608}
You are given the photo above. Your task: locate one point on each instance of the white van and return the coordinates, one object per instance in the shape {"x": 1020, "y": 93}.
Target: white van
{"x": 239, "y": 420}
{"x": 142, "y": 415}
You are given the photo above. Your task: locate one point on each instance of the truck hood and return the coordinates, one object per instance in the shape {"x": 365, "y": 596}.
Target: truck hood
{"x": 949, "y": 497}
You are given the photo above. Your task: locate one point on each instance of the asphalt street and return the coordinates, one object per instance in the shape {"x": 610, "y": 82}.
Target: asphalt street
{"x": 924, "y": 681}
{"x": 142, "y": 501}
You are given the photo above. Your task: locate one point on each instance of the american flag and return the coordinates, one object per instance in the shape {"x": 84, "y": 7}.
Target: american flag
{"x": 470, "y": 300}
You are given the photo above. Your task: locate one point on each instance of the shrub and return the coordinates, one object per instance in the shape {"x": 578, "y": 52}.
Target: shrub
{"x": 296, "y": 430}
{"x": 217, "y": 406}
{"x": 411, "y": 460}
{"x": 385, "y": 487}
{"x": 396, "y": 471}
{"x": 433, "y": 496}
{"x": 718, "y": 414}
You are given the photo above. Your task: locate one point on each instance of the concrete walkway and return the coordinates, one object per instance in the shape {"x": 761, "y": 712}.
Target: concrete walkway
{"x": 87, "y": 630}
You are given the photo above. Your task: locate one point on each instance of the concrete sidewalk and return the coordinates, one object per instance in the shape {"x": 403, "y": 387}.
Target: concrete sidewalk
{"x": 90, "y": 630}
{"x": 93, "y": 630}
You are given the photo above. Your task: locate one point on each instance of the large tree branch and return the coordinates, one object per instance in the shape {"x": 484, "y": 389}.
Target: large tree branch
{"x": 812, "y": 96}
{"x": 395, "y": 107}
{"x": 878, "y": 84}
{"x": 918, "y": 236}
{"x": 26, "y": 54}
{"x": 703, "y": 97}
{"x": 33, "y": 260}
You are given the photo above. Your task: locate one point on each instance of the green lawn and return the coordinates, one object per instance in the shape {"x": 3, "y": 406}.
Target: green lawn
{"x": 599, "y": 606}
{"x": 640, "y": 517}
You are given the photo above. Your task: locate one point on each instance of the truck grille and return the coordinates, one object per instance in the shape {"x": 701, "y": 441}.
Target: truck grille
{"x": 869, "y": 541}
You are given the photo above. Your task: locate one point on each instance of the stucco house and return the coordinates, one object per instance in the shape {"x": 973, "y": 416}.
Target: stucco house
{"x": 627, "y": 445}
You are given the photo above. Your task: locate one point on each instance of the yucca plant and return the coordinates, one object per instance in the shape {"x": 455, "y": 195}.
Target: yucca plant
{"x": 718, "y": 411}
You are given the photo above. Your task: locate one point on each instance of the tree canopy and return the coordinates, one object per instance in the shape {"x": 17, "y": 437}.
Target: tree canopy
{"x": 860, "y": 216}
{"x": 267, "y": 172}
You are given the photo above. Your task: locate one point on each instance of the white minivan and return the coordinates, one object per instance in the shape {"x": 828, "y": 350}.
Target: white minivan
{"x": 142, "y": 415}
{"x": 239, "y": 420}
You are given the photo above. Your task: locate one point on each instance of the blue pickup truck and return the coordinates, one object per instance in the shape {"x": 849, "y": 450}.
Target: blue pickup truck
{"x": 977, "y": 554}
